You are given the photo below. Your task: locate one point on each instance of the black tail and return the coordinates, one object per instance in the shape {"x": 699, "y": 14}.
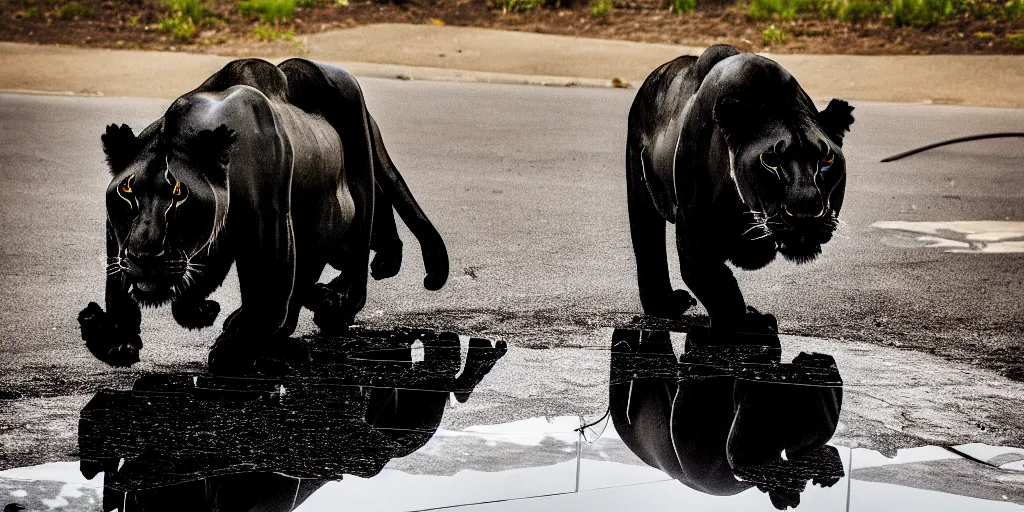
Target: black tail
{"x": 396, "y": 192}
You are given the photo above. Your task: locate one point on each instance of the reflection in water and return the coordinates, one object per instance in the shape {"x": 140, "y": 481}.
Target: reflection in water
{"x": 189, "y": 442}
{"x": 723, "y": 419}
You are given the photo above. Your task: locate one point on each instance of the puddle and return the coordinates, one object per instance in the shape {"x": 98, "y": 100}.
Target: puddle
{"x": 963, "y": 236}
{"x": 366, "y": 421}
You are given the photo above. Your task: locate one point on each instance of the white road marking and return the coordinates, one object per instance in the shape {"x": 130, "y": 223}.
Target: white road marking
{"x": 975, "y": 237}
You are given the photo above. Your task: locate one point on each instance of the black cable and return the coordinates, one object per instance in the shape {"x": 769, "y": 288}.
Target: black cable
{"x": 915, "y": 151}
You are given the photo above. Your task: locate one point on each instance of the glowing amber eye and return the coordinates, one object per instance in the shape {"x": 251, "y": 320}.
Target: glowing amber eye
{"x": 126, "y": 187}
{"x": 177, "y": 189}
{"x": 828, "y": 160}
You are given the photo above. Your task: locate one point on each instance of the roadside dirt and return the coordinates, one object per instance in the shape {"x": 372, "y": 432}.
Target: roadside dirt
{"x": 135, "y": 24}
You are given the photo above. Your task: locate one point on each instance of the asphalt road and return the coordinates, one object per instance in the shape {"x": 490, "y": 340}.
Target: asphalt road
{"x": 526, "y": 184}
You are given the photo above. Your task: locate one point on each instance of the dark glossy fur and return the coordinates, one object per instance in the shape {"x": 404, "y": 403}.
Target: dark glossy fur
{"x": 283, "y": 172}
{"x": 689, "y": 116}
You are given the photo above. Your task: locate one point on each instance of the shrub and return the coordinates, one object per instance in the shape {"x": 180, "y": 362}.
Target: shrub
{"x": 681, "y": 6}
{"x": 1014, "y": 9}
{"x": 860, "y": 10}
{"x": 1016, "y": 40}
{"x": 601, "y": 7}
{"x": 920, "y": 13}
{"x": 74, "y": 10}
{"x": 269, "y": 11}
{"x": 191, "y": 9}
{"x": 773, "y": 35}
{"x": 182, "y": 28}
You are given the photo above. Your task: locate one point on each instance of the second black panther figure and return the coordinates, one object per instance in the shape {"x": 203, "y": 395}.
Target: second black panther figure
{"x": 730, "y": 149}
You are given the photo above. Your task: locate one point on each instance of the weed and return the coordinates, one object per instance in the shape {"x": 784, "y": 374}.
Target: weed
{"x": 311, "y": 3}
{"x": 269, "y": 33}
{"x": 192, "y": 9}
{"x": 920, "y": 13}
{"x": 74, "y": 10}
{"x": 860, "y": 10}
{"x": 519, "y": 5}
{"x": 269, "y": 11}
{"x": 619, "y": 83}
{"x": 182, "y": 28}
{"x": 601, "y": 7}
{"x": 984, "y": 36}
{"x": 1014, "y": 9}
{"x": 1016, "y": 40}
{"x": 772, "y": 35}
{"x": 681, "y": 6}
{"x": 31, "y": 12}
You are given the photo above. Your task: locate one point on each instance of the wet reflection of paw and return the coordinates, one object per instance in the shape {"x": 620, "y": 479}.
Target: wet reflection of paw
{"x": 479, "y": 360}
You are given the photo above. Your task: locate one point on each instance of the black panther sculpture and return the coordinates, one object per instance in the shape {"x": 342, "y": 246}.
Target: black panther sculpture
{"x": 730, "y": 149}
{"x": 279, "y": 170}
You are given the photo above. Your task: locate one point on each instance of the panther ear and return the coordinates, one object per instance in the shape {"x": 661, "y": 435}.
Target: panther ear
{"x": 836, "y": 120}
{"x": 213, "y": 149}
{"x": 121, "y": 147}
{"x": 738, "y": 118}
{"x": 730, "y": 115}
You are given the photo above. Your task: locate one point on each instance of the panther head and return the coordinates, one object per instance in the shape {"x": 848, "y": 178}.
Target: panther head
{"x": 165, "y": 205}
{"x": 786, "y": 160}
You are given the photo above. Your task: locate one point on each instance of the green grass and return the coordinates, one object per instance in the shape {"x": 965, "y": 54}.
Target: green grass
{"x": 859, "y": 10}
{"x": 772, "y": 35}
{"x": 74, "y": 10}
{"x": 601, "y": 7}
{"x": 184, "y": 20}
{"x": 519, "y": 5}
{"x": 269, "y": 33}
{"x": 1016, "y": 40}
{"x": 180, "y": 27}
{"x": 920, "y": 13}
{"x": 31, "y": 12}
{"x": 269, "y": 11}
{"x": 681, "y": 6}
{"x": 192, "y": 9}
{"x": 914, "y": 13}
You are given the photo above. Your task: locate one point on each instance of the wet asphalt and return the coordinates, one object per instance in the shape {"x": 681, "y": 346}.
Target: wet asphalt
{"x": 527, "y": 185}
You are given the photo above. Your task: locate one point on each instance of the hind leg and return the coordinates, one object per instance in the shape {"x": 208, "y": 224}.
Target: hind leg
{"x": 336, "y": 303}
{"x": 384, "y": 242}
{"x": 647, "y": 229}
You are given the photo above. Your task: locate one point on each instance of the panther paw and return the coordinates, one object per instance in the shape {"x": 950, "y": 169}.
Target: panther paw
{"x": 671, "y": 306}
{"x": 114, "y": 346}
{"x": 386, "y": 263}
{"x": 328, "y": 307}
{"x": 333, "y": 322}
{"x": 195, "y": 315}
{"x": 763, "y": 323}
{"x": 230, "y": 356}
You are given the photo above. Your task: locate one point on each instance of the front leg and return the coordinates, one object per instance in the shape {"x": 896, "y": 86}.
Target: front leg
{"x": 732, "y": 321}
{"x": 112, "y": 336}
{"x": 266, "y": 276}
